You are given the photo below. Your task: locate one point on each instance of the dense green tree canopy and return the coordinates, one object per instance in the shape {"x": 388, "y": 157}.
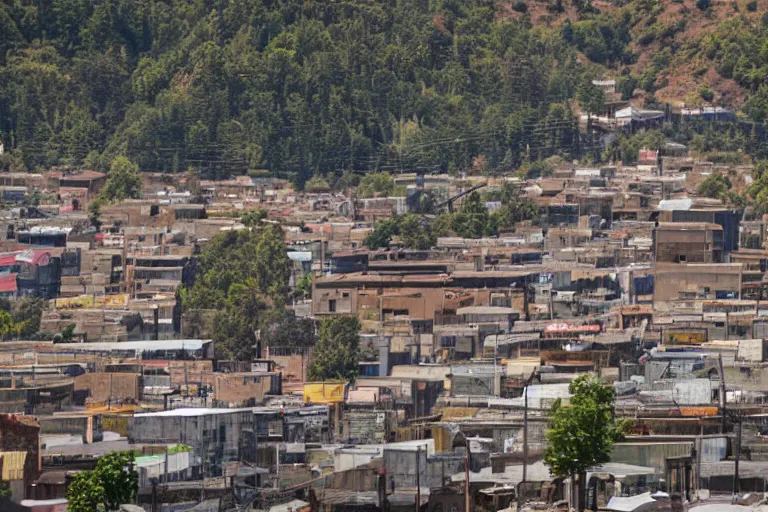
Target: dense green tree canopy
{"x": 21, "y": 318}
{"x": 243, "y": 275}
{"x": 284, "y": 329}
{"x": 416, "y": 231}
{"x": 376, "y": 184}
{"x": 759, "y": 188}
{"x": 714, "y": 186}
{"x": 27, "y": 313}
{"x": 337, "y": 353}
{"x": 253, "y": 217}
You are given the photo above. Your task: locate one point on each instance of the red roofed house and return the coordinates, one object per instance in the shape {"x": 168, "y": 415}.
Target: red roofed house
{"x": 8, "y": 288}
{"x": 31, "y": 273}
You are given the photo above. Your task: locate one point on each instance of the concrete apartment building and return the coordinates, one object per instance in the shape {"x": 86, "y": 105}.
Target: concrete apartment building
{"x": 689, "y": 242}
{"x": 216, "y": 436}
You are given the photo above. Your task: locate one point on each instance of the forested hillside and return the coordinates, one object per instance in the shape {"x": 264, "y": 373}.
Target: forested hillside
{"x": 676, "y": 51}
{"x": 299, "y": 88}
{"x": 293, "y": 87}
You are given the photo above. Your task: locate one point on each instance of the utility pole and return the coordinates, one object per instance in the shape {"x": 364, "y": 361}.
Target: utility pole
{"x": 202, "y": 461}
{"x": 418, "y": 478}
{"x": 467, "y": 500}
{"x": 722, "y": 393}
{"x": 525, "y": 425}
{"x": 525, "y": 433}
{"x": 154, "y": 492}
{"x": 551, "y": 304}
{"x": 322, "y": 252}
{"x": 736, "y": 481}
{"x": 125, "y": 261}
{"x": 277, "y": 464}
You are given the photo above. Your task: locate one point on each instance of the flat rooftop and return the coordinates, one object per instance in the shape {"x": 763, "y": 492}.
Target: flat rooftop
{"x": 167, "y": 345}
{"x": 191, "y": 411}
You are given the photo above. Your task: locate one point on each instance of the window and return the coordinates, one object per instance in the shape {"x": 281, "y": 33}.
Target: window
{"x": 332, "y": 306}
{"x": 222, "y": 433}
{"x": 681, "y": 258}
{"x": 447, "y": 341}
{"x": 504, "y": 302}
{"x": 345, "y": 294}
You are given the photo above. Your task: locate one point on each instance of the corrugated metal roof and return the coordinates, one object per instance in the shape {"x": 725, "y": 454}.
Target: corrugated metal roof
{"x": 675, "y": 204}
{"x": 682, "y": 226}
{"x": 13, "y": 465}
{"x": 423, "y": 372}
{"x": 486, "y": 310}
{"x": 747, "y": 468}
{"x": 136, "y": 345}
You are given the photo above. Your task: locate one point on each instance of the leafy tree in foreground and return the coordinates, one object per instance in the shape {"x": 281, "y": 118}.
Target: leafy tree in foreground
{"x": 84, "y": 493}
{"x": 118, "y": 478}
{"x": 112, "y": 483}
{"x": 581, "y": 435}
{"x": 337, "y": 352}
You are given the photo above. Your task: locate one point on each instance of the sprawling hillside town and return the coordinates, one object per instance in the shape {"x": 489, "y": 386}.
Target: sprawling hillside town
{"x": 588, "y": 337}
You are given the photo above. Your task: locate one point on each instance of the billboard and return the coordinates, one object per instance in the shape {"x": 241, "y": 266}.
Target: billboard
{"x": 119, "y": 300}
{"x": 92, "y": 301}
{"x": 79, "y": 302}
{"x": 564, "y": 327}
{"x": 688, "y": 337}
{"x": 698, "y": 411}
{"x": 324, "y": 392}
